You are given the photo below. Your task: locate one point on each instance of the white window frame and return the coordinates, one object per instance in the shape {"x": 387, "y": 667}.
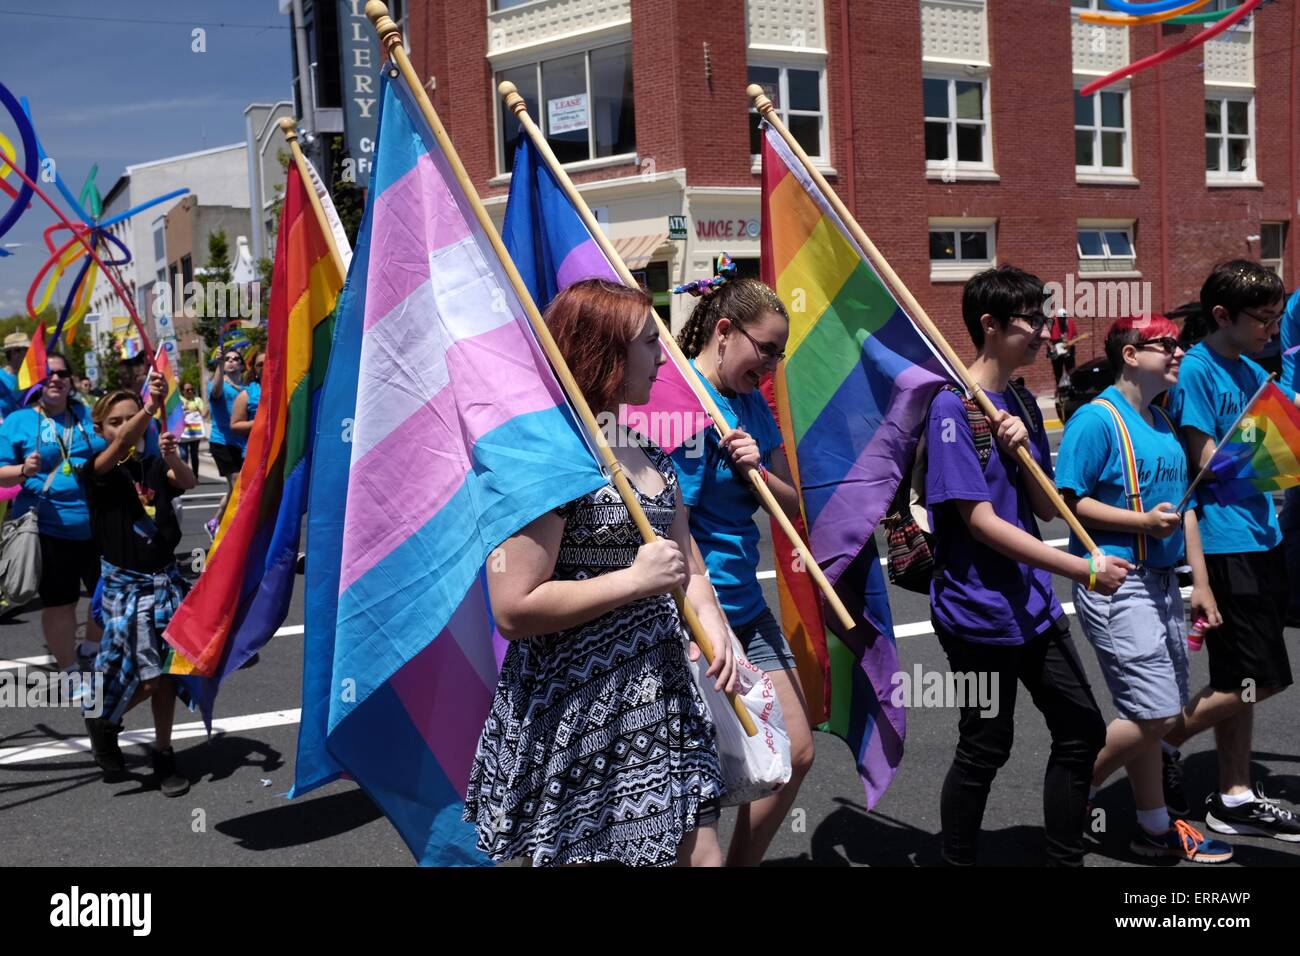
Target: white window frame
{"x": 506, "y": 163}
{"x": 1224, "y": 176}
{"x": 959, "y": 269}
{"x": 1109, "y": 264}
{"x": 943, "y": 168}
{"x": 1097, "y": 169}
{"x": 784, "y": 65}
{"x": 1277, "y": 265}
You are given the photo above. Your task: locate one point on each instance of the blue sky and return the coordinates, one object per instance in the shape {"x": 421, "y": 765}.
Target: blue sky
{"x": 117, "y": 82}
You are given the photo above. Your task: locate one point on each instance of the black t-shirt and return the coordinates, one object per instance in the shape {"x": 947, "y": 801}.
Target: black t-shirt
{"x": 128, "y": 535}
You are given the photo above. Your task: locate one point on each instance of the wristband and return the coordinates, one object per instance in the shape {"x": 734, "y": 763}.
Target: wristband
{"x": 1092, "y": 574}
{"x": 763, "y": 474}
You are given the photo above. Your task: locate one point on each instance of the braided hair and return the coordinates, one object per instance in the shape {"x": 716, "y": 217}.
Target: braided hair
{"x": 743, "y": 301}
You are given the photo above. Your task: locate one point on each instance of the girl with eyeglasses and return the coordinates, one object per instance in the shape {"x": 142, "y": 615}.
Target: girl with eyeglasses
{"x": 225, "y": 444}
{"x": 1119, "y": 445}
{"x": 735, "y": 337}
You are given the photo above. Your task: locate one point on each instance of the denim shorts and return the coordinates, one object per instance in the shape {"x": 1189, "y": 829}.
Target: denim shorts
{"x": 1140, "y": 636}
{"x": 764, "y": 645}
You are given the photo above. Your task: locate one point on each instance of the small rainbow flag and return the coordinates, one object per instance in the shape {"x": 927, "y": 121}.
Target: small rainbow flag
{"x": 32, "y": 371}
{"x": 173, "y": 414}
{"x": 1262, "y": 454}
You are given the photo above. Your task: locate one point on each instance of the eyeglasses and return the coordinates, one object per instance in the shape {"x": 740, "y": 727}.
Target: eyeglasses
{"x": 1037, "y": 320}
{"x": 1167, "y": 345}
{"x": 766, "y": 349}
{"x": 60, "y": 373}
{"x": 1264, "y": 321}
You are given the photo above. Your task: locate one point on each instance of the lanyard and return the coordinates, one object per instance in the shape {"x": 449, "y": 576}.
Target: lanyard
{"x": 66, "y": 440}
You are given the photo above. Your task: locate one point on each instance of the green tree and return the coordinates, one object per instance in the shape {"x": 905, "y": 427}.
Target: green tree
{"x": 217, "y": 270}
{"x": 349, "y": 196}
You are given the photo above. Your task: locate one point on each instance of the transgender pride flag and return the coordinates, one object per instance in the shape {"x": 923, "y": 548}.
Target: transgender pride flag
{"x": 551, "y": 247}
{"x": 441, "y": 432}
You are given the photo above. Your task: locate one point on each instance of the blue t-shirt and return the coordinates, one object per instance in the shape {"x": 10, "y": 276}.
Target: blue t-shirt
{"x": 1290, "y": 339}
{"x": 10, "y": 394}
{"x": 979, "y": 594}
{"x": 1090, "y": 464}
{"x": 1211, "y": 392}
{"x": 221, "y": 408}
{"x": 63, "y": 512}
{"x": 722, "y": 506}
{"x": 254, "y": 392}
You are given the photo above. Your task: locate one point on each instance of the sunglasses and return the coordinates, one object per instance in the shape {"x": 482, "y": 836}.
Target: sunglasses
{"x": 1167, "y": 345}
{"x": 1037, "y": 320}
{"x": 60, "y": 373}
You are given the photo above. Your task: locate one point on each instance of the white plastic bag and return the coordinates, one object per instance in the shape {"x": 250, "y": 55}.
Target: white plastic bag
{"x": 752, "y": 767}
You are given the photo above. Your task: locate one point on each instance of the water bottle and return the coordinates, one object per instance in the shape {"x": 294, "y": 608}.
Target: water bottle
{"x": 1196, "y": 636}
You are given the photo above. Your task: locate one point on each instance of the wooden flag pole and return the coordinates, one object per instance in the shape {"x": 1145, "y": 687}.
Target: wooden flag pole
{"x": 516, "y": 104}
{"x": 390, "y": 39}
{"x": 290, "y": 130}
{"x": 931, "y": 331}
{"x": 1205, "y": 469}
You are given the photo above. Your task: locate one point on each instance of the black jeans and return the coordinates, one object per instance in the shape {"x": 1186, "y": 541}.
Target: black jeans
{"x": 1049, "y": 668}
{"x": 190, "y": 455}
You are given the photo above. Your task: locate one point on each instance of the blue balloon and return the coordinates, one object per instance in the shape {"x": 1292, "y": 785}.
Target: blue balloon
{"x": 1138, "y": 9}
{"x": 30, "y": 159}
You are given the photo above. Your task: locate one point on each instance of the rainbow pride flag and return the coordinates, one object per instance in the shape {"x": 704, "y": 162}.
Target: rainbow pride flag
{"x": 443, "y": 432}
{"x": 851, "y": 397}
{"x": 243, "y": 593}
{"x": 552, "y": 249}
{"x": 32, "y": 371}
{"x": 1263, "y": 452}
{"x": 173, "y": 413}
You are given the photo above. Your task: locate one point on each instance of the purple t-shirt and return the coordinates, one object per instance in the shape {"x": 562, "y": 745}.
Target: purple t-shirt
{"x": 978, "y": 594}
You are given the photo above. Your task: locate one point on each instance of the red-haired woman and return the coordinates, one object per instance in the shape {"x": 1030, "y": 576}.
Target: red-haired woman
{"x": 598, "y": 746}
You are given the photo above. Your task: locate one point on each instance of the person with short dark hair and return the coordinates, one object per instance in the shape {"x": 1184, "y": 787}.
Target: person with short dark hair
{"x": 993, "y": 607}
{"x": 131, "y": 495}
{"x": 1241, "y": 306}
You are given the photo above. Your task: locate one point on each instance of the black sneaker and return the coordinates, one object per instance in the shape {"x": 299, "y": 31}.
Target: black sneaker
{"x": 171, "y": 783}
{"x": 1260, "y": 817}
{"x": 103, "y": 747}
{"x": 1175, "y": 797}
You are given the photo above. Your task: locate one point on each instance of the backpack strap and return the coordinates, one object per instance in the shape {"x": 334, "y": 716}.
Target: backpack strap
{"x": 980, "y": 431}
{"x": 1129, "y": 469}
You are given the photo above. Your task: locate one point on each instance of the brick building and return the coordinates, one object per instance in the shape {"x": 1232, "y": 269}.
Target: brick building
{"x": 953, "y": 129}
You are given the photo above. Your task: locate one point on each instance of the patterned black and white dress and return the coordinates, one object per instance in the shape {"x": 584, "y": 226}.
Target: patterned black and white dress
{"x": 598, "y": 746}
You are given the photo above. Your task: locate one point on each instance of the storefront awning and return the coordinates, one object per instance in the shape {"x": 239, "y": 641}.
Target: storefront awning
{"x": 637, "y": 251}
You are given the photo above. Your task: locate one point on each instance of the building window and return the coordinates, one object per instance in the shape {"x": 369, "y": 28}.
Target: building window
{"x": 959, "y": 249}
{"x": 1229, "y": 137}
{"x": 654, "y": 279}
{"x": 498, "y": 5}
{"x": 586, "y": 108}
{"x": 1106, "y": 249}
{"x": 1101, "y": 132}
{"x": 956, "y": 123}
{"x": 798, "y": 96}
{"x": 1272, "y": 245}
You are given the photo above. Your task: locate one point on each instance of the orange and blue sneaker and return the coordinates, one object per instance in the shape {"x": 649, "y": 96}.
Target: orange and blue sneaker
{"x": 1182, "y": 841}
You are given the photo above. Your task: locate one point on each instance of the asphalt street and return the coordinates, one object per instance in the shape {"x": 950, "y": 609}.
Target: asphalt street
{"x": 55, "y": 810}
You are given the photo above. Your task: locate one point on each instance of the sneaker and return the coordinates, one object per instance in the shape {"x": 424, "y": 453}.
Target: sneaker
{"x": 171, "y": 783}
{"x": 1181, "y": 841}
{"x": 1175, "y": 796}
{"x": 103, "y": 746}
{"x": 1260, "y": 817}
{"x": 211, "y": 528}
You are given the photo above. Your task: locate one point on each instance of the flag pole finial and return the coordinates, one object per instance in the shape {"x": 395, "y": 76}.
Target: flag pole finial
{"x": 510, "y": 93}
{"x": 389, "y": 32}
{"x": 762, "y": 103}
{"x": 289, "y": 128}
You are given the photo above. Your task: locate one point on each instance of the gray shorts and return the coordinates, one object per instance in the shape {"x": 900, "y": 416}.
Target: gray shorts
{"x": 764, "y": 643}
{"x": 1140, "y": 636}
